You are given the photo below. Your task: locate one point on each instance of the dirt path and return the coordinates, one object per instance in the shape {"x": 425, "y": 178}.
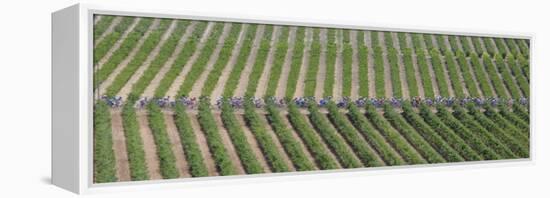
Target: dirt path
{"x": 281, "y": 86}
{"x": 108, "y": 31}
{"x": 338, "y": 67}
{"x": 229, "y": 147}
{"x": 218, "y": 90}
{"x": 253, "y": 144}
{"x": 300, "y": 84}
{"x": 116, "y": 45}
{"x": 151, "y": 88}
{"x": 401, "y": 64}
{"x": 199, "y": 84}
{"x": 105, "y": 84}
{"x": 370, "y": 62}
{"x": 127, "y": 88}
{"x": 203, "y": 145}
{"x": 174, "y": 88}
{"x": 419, "y": 83}
{"x": 354, "y": 66}
{"x": 177, "y": 148}
{"x": 320, "y": 80}
{"x": 243, "y": 83}
{"x": 262, "y": 83}
{"x": 119, "y": 146}
{"x": 388, "y": 85}
{"x": 299, "y": 140}
{"x": 153, "y": 165}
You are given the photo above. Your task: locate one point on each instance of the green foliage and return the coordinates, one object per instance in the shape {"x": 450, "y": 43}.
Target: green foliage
{"x": 296, "y": 63}
{"x": 166, "y": 51}
{"x": 101, "y": 48}
{"x": 393, "y": 137}
{"x": 471, "y": 138}
{"x": 166, "y": 157}
{"x": 278, "y": 61}
{"x": 519, "y": 135}
{"x": 514, "y": 49}
{"x": 402, "y": 37}
{"x": 394, "y": 71}
{"x": 491, "y": 49}
{"x": 501, "y": 47}
{"x": 417, "y": 41}
{"x": 329, "y": 134}
{"x": 104, "y": 156}
{"x": 481, "y": 76}
{"x": 347, "y": 59}
{"x": 409, "y": 72}
{"x": 372, "y": 136}
{"x": 362, "y": 53}
{"x": 518, "y": 74}
{"x": 250, "y": 164}
{"x": 259, "y": 63}
{"x": 429, "y": 41}
{"x": 379, "y": 76}
{"x": 313, "y": 67}
{"x": 452, "y": 138}
{"x": 223, "y": 57}
{"x": 292, "y": 147}
{"x": 214, "y": 139}
{"x": 330, "y": 61}
{"x": 521, "y": 112}
{"x": 193, "y": 155}
{"x": 466, "y": 45}
{"x": 102, "y": 25}
{"x": 454, "y": 43}
{"x": 374, "y": 40}
{"x": 453, "y": 74}
{"x": 235, "y": 75}
{"x": 416, "y": 140}
{"x": 515, "y": 145}
{"x": 439, "y": 73}
{"x": 201, "y": 62}
{"x": 311, "y": 140}
{"x": 477, "y": 129}
{"x": 134, "y": 144}
{"x": 266, "y": 142}
{"x": 425, "y": 73}
{"x": 388, "y": 40}
{"x": 189, "y": 48}
{"x": 493, "y": 75}
{"x": 523, "y": 46}
{"x": 524, "y": 63}
{"x": 441, "y": 43}
{"x": 467, "y": 75}
{"x": 514, "y": 119}
{"x": 476, "y": 41}
{"x": 507, "y": 78}
{"x": 430, "y": 135}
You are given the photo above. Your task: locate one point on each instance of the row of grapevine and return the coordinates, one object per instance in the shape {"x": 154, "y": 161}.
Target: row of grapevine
{"x": 217, "y": 148}
{"x": 416, "y": 140}
{"x": 347, "y": 61}
{"x": 464, "y": 41}
{"x": 362, "y": 56}
{"x": 139, "y": 58}
{"x": 166, "y": 50}
{"x": 296, "y": 63}
{"x": 394, "y": 71}
{"x": 494, "y": 76}
{"x": 467, "y": 74}
{"x": 430, "y": 135}
{"x": 236, "y": 133}
{"x": 102, "y": 25}
{"x": 377, "y": 141}
{"x": 292, "y": 147}
{"x": 379, "y": 77}
{"x": 452, "y": 70}
{"x": 313, "y": 67}
{"x": 166, "y": 157}
{"x": 507, "y": 78}
{"x": 367, "y": 155}
{"x": 235, "y": 75}
{"x": 221, "y": 62}
{"x": 313, "y": 143}
{"x": 521, "y": 112}
{"x": 104, "y": 156}
{"x": 101, "y": 48}
{"x": 453, "y": 41}
{"x": 501, "y": 46}
{"x": 477, "y": 45}
{"x": 134, "y": 144}
{"x": 424, "y": 73}
{"x": 329, "y": 134}
{"x": 439, "y": 72}
{"x": 472, "y": 139}
{"x": 490, "y": 48}
{"x": 258, "y": 128}
{"x": 259, "y": 63}
{"x": 330, "y": 60}
{"x": 200, "y": 64}
{"x": 441, "y": 43}
{"x": 193, "y": 155}
{"x": 119, "y": 55}
{"x": 518, "y": 75}
{"x": 393, "y": 137}
{"x": 278, "y": 62}
{"x": 520, "y": 135}
{"x": 514, "y": 119}
{"x": 189, "y": 48}
{"x": 481, "y": 76}
{"x": 409, "y": 72}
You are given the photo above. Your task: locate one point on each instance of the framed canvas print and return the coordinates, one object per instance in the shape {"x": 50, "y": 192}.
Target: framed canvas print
{"x": 164, "y": 98}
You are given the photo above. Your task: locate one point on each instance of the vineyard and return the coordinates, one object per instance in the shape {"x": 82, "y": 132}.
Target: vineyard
{"x": 189, "y": 98}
